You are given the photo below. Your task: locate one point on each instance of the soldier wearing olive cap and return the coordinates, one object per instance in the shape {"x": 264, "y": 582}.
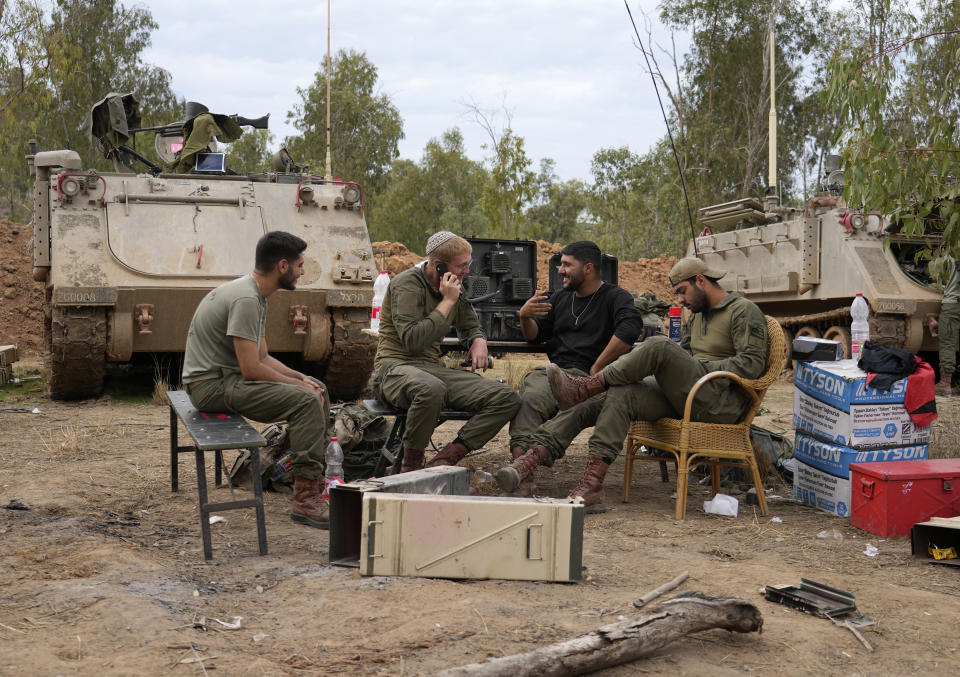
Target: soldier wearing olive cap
{"x": 723, "y": 332}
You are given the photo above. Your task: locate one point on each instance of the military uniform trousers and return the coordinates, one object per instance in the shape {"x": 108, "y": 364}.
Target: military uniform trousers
{"x": 537, "y": 406}
{"x": 424, "y": 388}
{"x": 949, "y": 328}
{"x": 652, "y": 381}
{"x": 267, "y": 401}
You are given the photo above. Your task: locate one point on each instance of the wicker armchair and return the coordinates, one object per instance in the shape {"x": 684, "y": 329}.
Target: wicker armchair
{"x": 692, "y": 443}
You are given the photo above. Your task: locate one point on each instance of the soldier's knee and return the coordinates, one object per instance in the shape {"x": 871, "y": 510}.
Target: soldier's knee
{"x": 427, "y": 387}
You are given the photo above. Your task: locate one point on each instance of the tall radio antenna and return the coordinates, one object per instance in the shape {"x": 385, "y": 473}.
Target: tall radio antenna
{"x": 683, "y": 182}
{"x": 328, "y": 172}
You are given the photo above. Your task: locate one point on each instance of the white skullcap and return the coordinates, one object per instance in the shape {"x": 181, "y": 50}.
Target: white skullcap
{"x": 438, "y": 239}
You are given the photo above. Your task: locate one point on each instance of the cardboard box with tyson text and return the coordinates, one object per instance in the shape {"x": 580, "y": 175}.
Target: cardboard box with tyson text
{"x": 821, "y": 489}
{"x": 836, "y": 459}
{"x": 842, "y": 384}
{"x": 862, "y": 426}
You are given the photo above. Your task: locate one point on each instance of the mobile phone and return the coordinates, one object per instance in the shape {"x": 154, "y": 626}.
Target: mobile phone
{"x": 442, "y": 268}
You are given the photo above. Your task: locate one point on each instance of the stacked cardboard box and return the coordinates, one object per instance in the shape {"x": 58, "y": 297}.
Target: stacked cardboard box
{"x": 840, "y": 420}
{"x": 8, "y": 355}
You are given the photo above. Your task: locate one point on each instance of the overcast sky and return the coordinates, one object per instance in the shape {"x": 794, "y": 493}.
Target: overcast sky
{"x": 567, "y": 70}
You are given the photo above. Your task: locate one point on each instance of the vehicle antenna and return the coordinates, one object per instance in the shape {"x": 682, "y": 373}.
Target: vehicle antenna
{"x": 328, "y": 171}
{"x": 683, "y": 182}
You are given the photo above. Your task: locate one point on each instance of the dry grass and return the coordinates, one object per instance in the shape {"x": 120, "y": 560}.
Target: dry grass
{"x": 516, "y": 367}
{"x": 161, "y": 383}
{"x": 945, "y": 431}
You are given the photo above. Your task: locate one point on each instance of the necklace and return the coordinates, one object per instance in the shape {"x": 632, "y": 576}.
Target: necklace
{"x": 576, "y": 316}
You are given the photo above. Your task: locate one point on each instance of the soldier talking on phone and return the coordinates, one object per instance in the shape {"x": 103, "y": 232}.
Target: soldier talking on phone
{"x": 420, "y": 306}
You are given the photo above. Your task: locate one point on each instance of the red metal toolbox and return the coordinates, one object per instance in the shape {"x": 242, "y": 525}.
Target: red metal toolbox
{"x": 888, "y": 498}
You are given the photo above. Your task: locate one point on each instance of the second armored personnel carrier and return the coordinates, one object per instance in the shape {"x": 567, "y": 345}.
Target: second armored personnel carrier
{"x": 126, "y": 257}
{"x": 804, "y": 267}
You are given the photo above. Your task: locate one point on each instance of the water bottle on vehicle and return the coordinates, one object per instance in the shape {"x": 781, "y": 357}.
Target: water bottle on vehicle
{"x": 860, "y": 326}
{"x": 333, "y": 474}
{"x": 379, "y": 292}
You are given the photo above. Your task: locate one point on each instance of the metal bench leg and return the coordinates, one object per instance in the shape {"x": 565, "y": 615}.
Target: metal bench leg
{"x": 258, "y": 494}
{"x": 174, "y": 452}
{"x": 664, "y": 477}
{"x": 400, "y": 425}
{"x": 204, "y": 515}
{"x": 218, "y": 467}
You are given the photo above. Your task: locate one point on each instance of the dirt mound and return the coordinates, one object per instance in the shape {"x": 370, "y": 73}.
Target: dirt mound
{"x": 21, "y": 299}
{"x": 394, "y": 257}
{"x": 651, "y": 275}
{"x": 544, "y": 251}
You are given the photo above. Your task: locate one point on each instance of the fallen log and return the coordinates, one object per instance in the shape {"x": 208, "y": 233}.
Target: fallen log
{"x": 625, "y": 641}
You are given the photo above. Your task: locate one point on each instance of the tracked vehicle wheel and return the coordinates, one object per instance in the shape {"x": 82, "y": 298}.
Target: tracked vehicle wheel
{"x": 351, "y": 359}
{"x": 76, "y": 340}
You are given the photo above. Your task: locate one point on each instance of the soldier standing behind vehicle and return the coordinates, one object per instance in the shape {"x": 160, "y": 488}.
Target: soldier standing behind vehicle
{"x": 226, "y": 367}
{"x": 948, "y": 329}
{"x": 585, "y": 326}
{"x": 421, "y": 305}
{"x": 725, "y": 332}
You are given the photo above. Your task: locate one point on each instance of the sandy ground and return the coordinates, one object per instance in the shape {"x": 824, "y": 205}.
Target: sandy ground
{"x": 104, "y": 575}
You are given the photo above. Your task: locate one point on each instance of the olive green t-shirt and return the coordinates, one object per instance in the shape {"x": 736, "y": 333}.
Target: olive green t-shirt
{"x": 234, "y": 309}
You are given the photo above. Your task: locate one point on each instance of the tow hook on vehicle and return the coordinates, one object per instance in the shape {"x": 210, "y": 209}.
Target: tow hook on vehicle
{"x": 298, "y": 315}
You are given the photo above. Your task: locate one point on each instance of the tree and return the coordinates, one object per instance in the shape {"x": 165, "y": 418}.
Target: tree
{"x": 251, "y": 152}
{"x": 53, "y": 69}
{"x": 616, "y": 198}
{"x": 441, "y": 192}
{"x": 510, "y": 183}
{"x": 721, "y": 97}
{"x": 366, "y": 127}
{"x": 900, "y": 113}
{"x": 557, "y": 212}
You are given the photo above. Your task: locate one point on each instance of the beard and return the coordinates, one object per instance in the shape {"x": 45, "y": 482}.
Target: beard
{"x": 697, "y": 302}
{"x": 572, "y": 282}
{"x": 288, "y": 281}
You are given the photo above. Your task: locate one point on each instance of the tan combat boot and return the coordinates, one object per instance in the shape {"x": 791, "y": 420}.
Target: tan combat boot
{"x": 571, "y": 390}
{"x": 449, "y": 455}
{"x": 590, "y": 487}
{"x": 943, "y": 388}
{"x": 308, "y": 505}
{"x": 412, "y": 460}
{"x": 516, "y": 479}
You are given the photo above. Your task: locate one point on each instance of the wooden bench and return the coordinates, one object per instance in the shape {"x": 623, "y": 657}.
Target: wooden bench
{"x": 215, "y": 432}
{"x": 392, "y": 455}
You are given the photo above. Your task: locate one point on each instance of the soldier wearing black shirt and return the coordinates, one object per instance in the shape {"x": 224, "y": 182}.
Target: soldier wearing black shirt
{"x": 584, "y": 327}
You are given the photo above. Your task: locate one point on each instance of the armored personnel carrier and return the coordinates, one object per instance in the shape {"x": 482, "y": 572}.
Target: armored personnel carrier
{"x": 804, "y": 267}
{"x": 126, "y": 256}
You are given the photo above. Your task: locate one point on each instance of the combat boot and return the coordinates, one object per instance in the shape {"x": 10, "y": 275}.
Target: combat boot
{"x": 450, "y": 454}
{"x": 943, "y": 387}
{"x": 412, "y": 460}
{"x": 308, "y": 505}
{"x": 517, "y": 478}
{"x": 571, "y": 390}
{"x": 590, "y": 487}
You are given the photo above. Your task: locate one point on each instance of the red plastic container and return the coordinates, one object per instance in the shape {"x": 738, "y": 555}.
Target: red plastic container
{"x": 888, "y": 498}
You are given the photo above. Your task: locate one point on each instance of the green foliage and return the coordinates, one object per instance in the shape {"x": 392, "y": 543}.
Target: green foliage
{"x": 366, "y": 127}
{"x": 558, "y": 210}
{"x": 441, "y": 192}
{"x": 510, "y": 185}
{"x": 900, "y": 113}
{"x": 54, "y": 68}
{"x": 251, "y": 152}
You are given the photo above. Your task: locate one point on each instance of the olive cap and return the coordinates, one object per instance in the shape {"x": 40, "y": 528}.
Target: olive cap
{"x": 691, "y": 267}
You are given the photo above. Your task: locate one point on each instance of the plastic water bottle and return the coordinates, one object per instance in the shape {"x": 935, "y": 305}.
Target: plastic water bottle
{"x": 379, "y": 292}
{"x": 859, "y": 327}
{"x": 333, "y": 474}
{"x": 674, "y": 326}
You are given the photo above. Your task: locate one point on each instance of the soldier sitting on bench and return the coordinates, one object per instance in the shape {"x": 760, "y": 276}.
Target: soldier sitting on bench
{"x": 226, "y": 367}
{"x": 420, "y": 306}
